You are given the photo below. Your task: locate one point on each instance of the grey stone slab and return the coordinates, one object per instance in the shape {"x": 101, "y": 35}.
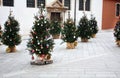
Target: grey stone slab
{"x": 99, "y": 58}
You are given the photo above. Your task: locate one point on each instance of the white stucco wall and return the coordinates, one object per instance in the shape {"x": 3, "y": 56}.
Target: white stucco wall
{"x": 96, "y": 10}
{"x": 25, "y": 15}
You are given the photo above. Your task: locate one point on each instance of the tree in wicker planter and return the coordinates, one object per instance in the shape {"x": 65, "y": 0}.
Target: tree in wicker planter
{"x": 117, "y": 32}
{"x": 69, "y": 34}
{"x": 40, "y": 44}
{"x": 93, "y": 25}
{"x": 55, "y": 29}
{"x": 84, "y": 30}
{"x": 11, "y": 36}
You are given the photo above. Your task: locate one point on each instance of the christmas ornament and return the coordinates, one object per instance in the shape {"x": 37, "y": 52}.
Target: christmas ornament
{"x": 33, "y": 51}
{"x": 32, "y": 57}
{"x": 41, "y": 47}
{"x": 38, "y": 24}
{"x": 38, "y": 43}
{"x": 41, "y": 24}
{"x": 48, "y": 57}
{"x": 8, "y": 22}
{"x": 47, "y": 45}
{"x": 45, "y": 22}
{"x": 42, "y": 57}
{"x": 74, "y": 37}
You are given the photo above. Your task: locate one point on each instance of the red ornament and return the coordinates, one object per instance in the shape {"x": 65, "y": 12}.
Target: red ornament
{"x": 34, "y": 32}
{"x": 41, "y": 17}
{"x": 47, "y": 46}
{"x": 42, "y": 56}
{"x": 33, "y": 51}
{"x": 32, "y": 57}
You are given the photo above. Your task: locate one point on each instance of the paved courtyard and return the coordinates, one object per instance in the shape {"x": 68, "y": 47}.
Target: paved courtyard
{"x": 99, "y": 58}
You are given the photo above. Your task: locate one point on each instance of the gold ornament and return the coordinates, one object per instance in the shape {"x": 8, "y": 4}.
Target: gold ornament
{"x": 8, "y": 22}
{"x": 70, "y": 22}
{"x": 48, "y": 57}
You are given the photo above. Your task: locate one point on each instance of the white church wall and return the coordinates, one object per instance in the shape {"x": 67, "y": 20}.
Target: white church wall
{"x": 25, "y": 15}
{"x": 96, "y": 10}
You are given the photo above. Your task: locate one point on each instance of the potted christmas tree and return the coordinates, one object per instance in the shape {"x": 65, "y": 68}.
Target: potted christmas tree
{"x": 117, "y": 32}
{"x": 0, "y": 34}
{"x": 55, "y": 29}
{"x": 40, "y": 44}
{"x": 93, "y": 25}
{"x": 69, "y": 33}
{"x": 84, "y": 30}
{"x": 11, "y": 36}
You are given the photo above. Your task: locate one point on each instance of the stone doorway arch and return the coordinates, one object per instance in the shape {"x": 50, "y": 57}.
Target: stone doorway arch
{"x": 56, "y": 10}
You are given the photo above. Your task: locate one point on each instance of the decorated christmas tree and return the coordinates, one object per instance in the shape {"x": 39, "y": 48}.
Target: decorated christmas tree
{"x": 84, "y": 30}
{"x": 0, "y": 34}
{"x": 55, "y": 29}
{"x": 69, "y": 33}
{"x": 93, "y": 25}
{"x": 117, "y": 32}
{"x": 11, "y": 36}
{"x": 40, "y": 44}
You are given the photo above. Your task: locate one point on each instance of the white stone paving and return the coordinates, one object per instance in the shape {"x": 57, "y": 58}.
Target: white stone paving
{"x": 99, "y": 58}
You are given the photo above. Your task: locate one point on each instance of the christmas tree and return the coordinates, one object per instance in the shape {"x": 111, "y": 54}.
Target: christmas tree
{"x": 117, "y": 32}
{"x": 11, "y": 36}
{"x": 93, "y": 25}
{"x": 40, "y": 44}
{"x": 69, "y": 33}
{"x": 84, "y": 30}
{"x": 0, "y": 34}
{"x": 55, "y": 29}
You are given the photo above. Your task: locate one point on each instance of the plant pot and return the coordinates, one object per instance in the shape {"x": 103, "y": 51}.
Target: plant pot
{"x": 75, "y": 43}
{"x": 11, "y": 49}
{"x": 56, "y": 36}
{"x": 42, "y": 60}
{"x": 118, "y": 42}
{"x": 84, "y": 40}
{"x": 93, "y": 35}
{"x": 45, "y": 57}
{"x": 70, "y": 45}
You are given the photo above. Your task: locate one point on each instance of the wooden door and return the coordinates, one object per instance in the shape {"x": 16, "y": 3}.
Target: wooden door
{"x": 55, "y": 16}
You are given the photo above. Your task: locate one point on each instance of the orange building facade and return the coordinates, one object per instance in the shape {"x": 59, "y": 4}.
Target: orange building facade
{"x": 110, "y": 13}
